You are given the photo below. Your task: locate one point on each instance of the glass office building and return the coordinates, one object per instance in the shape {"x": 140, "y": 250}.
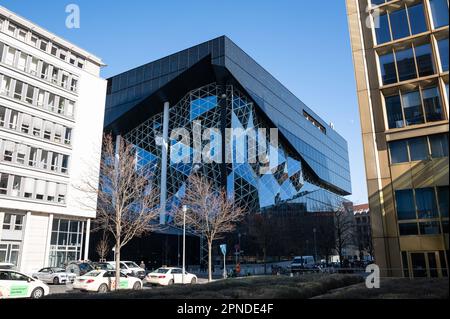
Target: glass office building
{"x": 400, "y": 52}
{"x": 215, "y": 85}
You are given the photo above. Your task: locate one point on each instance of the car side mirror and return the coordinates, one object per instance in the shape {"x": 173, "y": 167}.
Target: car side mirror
{"x": 29, "y": 280}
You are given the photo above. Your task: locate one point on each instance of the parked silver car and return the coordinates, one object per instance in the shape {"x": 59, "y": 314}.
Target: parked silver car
{"x": 54, "y": 275}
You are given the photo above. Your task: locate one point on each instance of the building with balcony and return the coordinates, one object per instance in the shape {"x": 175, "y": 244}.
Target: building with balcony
{"x": 51, "y": 116}
{"x": 400, "y": 53}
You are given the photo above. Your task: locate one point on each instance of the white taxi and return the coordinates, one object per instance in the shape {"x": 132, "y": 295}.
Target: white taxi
{"x": 105, "y": 280}
{"x": 14, "y": 284}
{"x": 166, "y": 276}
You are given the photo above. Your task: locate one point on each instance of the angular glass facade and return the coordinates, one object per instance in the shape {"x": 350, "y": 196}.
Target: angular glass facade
{"x": 286, "y": 178}
{"x": 140, "y": 93}
{"x": 224, "y": 110}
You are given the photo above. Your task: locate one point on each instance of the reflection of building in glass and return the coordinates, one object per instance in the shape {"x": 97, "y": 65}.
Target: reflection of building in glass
{"x": 215, "y": 85}
{"x": 363, "y": 230}
{"x": 400, "y": 52}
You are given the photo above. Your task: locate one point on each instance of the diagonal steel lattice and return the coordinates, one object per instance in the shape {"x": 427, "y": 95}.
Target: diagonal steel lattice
{"x": 217, "y": 106}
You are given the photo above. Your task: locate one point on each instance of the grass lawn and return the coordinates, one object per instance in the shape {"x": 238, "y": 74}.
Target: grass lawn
{"x": 395, "y": 288}
{"x": 320, "y": 286}
{"x": 267, "y": 287}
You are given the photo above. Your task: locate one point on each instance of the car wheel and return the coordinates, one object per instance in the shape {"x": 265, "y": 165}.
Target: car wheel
{"x": 56, "y": 281}
{"x": 193, "y": 281}
{"x": 137, "y": 286}
{"x": 103, "y": 288}
{"x": 37, "y": 293}
{"x": 170, "y": 283}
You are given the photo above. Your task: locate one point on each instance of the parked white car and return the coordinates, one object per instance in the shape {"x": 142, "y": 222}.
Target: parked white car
{"x": 166, "y": 276}
{"x": 14, "y": 284}
{"x": 105, "y": 280}
{"x": 130, "y": 268}
{"x": 54, "y": 275}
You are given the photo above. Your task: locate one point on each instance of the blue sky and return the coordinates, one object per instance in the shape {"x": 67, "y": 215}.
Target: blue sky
{"x": 304, "y": 44}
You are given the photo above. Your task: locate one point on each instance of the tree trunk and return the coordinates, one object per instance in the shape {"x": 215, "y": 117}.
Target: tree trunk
{"x": 209, "y": 261}
{"x": 117, "y": 259}
{"x": 264, "y": 260}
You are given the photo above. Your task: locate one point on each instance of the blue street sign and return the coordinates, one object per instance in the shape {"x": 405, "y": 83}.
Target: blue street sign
{"x": 223, "y": 248}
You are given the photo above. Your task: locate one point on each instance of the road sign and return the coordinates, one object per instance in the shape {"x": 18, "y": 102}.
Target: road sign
{"x": 223, "y": 248}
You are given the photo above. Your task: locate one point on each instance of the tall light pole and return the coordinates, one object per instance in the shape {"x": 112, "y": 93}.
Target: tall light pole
{"x": 240, "y": 249}
{"x": 184, "y": 242}
{"x": 315, "y": 247}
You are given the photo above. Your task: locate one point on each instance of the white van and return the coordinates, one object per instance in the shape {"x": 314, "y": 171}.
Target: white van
{"x": 300, "y": 263}
{"x": 130, "y": 268}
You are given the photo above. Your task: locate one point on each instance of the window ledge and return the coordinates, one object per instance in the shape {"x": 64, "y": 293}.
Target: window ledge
{"x": 32, "y": 201}
{"x": 66, "y": 146}
{"x": 37, "y": 78}
{"x": 35, "y": 107}
{"x": 34, "y": 169}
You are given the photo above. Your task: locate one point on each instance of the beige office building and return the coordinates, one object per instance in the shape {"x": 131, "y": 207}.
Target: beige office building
{"x": 400, "y": 53}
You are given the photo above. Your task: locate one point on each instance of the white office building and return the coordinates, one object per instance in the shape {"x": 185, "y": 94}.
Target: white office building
{"x": 51, "y": 120}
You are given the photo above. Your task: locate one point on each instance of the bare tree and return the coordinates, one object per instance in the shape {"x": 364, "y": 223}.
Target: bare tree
{"x": 126, "y": 201}
{"x": 102, "y": 249}
{"x": 343, "y": 229}
{"x": 211, "y": 212}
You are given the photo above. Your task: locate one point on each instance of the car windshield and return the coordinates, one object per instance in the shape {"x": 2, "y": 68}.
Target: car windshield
{"x": 84, "y": 266}
{"x": 93, "y": 273}
{"x": 104, "y": 266}
{"x": 161, "y": 270}
{"x": 131, "y": 264}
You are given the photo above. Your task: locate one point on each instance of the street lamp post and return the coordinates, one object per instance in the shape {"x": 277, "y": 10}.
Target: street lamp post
{"x": 240, "y": 249}
{"x": 178, "y": 250}
{"x": 184, "y": 242}
{"x": 315, "y": 247}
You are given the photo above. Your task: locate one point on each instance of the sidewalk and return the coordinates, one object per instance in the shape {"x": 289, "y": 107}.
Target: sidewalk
{"x": 246, "y": 269}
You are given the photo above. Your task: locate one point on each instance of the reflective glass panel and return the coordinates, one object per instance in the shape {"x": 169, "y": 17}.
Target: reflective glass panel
{"x": 429, "y": 228}
{"x": 439, "y": 11}
{"x": 399, "y": 152}
{"x": 377, "y": 2}
{"x": 394, "y": 111}
{"x": 412, "y": 107}
{"x": 443, "y": 53}
{"x": 418, "y": 148}
{"x": 417, "y": 19}
{"x": 424, "y": 60}
{"x": 426, "y": 203}
{"x": 405, "y": 64}
{"x": 432, "y": 104}
{"x": 443, "y": 200}
{"x": 387, "y": 66}
{"x": 382, "y": 32}
{"x": 399, "y": 24}
{"x": 408, "y": 229}
{"x": 439, "y": 145}
{"x": 405, "y": 204}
